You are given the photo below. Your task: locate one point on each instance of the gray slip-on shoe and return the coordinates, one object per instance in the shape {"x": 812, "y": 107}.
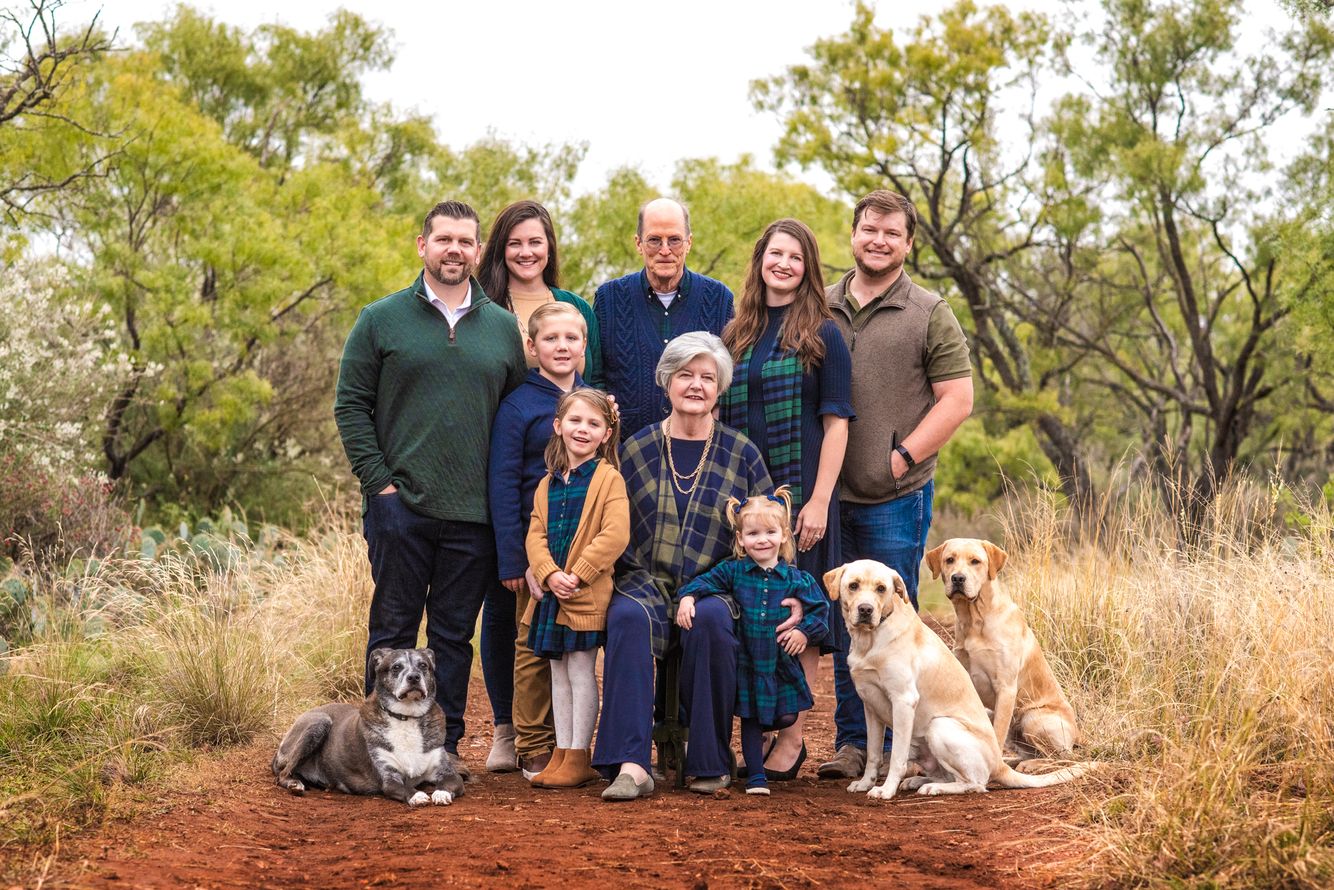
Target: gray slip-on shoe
{"x": 710, "y": 785}
{"x": 624, "y": 788}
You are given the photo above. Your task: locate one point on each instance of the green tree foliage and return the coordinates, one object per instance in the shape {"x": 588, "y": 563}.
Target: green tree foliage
{"x": 39, "y": 61}
{"x": 1116, "y": 258}
{"x": 923, "y": 116}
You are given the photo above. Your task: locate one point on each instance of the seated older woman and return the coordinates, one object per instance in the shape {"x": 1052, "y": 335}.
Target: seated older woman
{"x": 679, "y": 474}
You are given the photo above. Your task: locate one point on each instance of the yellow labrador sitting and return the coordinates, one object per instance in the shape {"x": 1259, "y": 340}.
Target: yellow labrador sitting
{"x": 908, "y": 678}
{"x": 996, "y": 646}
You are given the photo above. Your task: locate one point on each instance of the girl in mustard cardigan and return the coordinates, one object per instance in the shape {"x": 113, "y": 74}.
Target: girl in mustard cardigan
{"x": 580, "y": 527}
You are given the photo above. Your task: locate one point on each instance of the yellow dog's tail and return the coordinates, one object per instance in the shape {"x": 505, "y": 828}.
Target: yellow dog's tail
{"x": 1009, "y": 778}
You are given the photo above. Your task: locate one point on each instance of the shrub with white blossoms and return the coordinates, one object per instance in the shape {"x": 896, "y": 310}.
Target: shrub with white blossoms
{"x": 59, "y": 367}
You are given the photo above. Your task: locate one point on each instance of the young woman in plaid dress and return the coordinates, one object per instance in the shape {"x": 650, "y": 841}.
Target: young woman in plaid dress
{"x": 771, "y": 686}
{"x": 791, "y": 395}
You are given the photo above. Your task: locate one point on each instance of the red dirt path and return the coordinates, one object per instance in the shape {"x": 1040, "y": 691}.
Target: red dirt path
{"x": 228, "y": 826}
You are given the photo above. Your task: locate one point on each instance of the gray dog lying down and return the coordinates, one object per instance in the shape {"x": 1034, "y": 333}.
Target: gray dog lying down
{"x": 390, "y": 744}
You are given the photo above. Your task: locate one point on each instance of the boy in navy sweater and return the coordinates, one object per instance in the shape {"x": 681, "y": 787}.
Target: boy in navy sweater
{"x": 557, "y": 335}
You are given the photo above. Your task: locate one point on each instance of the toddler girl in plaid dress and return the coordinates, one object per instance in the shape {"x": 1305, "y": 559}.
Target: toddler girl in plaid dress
{"x": 771, "y": 686}
{"x": 580, "y": 526}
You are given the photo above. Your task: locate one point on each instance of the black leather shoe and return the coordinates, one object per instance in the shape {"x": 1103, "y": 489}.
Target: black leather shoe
{"x": 787, "y": 775}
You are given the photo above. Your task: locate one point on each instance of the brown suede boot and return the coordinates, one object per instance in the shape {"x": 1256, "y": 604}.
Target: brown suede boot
{"x": 574, "y": 771}
{"x": 557, "y": 758}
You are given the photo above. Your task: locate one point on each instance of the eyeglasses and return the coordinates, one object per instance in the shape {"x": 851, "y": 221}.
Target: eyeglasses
{"x": 674, "y": 243}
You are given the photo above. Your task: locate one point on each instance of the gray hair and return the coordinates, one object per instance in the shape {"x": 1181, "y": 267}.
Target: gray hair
{"x": 684, "y": 349}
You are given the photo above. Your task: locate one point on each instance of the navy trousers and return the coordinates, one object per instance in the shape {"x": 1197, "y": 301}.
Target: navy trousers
{"x": 708, "y": 688}
{"x": 441, "y": 567}
{"x": 499, "y": 626}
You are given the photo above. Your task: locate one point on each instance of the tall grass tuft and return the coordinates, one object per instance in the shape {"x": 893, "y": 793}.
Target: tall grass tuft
{"x": 1206, "y": 669}
{"x": 140, "y": 662}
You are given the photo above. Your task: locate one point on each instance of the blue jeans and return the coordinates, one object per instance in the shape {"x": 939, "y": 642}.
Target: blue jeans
{"x": 499, "y": 627}
{"x": 893, "y": 533}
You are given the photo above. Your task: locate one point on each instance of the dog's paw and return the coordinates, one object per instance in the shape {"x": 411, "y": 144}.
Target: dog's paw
{"x": 931, "y": 789}
{"x": 420, "y": 799}
{"x": 882, "y": 792}
{"x": 860, "y": 786}
{"x": 441, "y": 797}
{"x": 294, "y": 786}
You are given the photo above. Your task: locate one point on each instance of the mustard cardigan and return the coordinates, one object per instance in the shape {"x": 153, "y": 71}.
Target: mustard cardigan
{"x": 602, "y": 536}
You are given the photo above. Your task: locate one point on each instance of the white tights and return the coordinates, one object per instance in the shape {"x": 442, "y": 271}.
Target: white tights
{"x": 574, "y": 698}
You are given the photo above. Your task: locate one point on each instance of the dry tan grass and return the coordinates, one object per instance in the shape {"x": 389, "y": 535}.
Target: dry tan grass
{"x": 1206, "y": 671}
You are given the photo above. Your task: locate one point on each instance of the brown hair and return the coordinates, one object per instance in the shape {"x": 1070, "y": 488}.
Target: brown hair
{"x": 492, "y": 273}
{"x": 884, "y": 201}
{"x": 452, "y": 210}
{"x": 546, "y": 310}
{"x": 557, "y": 460}
{"x": 800, "y": 333}
{"x": 777, "y": 506}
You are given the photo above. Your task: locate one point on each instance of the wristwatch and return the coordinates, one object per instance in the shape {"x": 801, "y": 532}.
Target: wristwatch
{"x": 907, "y": 457}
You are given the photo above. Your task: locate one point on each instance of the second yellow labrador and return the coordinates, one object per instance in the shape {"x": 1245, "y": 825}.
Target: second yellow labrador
{"x": 908, "y": 678}
{"x": 996, "y": 646}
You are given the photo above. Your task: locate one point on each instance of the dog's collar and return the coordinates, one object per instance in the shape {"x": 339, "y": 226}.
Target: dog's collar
{"x": 399, "y": 716}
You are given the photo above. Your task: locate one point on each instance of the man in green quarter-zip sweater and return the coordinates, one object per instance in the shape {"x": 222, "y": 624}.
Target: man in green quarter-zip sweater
{"x": 422, "y": 374}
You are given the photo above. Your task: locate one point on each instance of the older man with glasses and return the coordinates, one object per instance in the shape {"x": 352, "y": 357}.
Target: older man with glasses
{"x": 639, "y": 313}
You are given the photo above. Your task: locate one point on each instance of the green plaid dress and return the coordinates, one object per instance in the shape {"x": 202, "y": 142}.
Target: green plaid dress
{"x": 565, "y": 505}
{"x": 770, "y": 684}
{"x": 666, "y": 549}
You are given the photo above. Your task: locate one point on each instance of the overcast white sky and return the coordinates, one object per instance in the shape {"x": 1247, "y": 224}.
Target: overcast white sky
{"x": 643, "y": 83}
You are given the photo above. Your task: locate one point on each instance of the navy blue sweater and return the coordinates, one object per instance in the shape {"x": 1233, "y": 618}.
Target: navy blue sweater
{"x": 634, "y": 328}
{"x": 519, "y": 437}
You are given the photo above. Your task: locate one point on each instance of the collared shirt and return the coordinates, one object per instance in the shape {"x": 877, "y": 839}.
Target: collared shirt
{"x": 452, "y": 316}
{"x": 663, "y": 313}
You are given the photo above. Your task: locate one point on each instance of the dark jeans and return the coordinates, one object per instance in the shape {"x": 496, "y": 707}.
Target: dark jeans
{"x": 439, "y": 566}
{"x": 499, "y": 625}
{"x": 893, "y": 533}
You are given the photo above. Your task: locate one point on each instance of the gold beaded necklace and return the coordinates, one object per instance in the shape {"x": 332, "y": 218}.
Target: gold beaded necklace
{"x": 671, "y": 462}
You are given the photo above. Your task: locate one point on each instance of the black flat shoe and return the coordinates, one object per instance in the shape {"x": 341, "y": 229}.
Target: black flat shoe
{"x": 787, "y": 775}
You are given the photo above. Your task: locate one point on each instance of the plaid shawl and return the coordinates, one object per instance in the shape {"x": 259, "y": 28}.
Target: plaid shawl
{"x": 780, "y": 389}
{"x": 667, "y": 550}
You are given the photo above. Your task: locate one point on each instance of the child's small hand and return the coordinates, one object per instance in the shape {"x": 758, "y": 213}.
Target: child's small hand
{"x": 513, "y": 585}
{"x": 563, "y": 584}
{"x": 685, "y": 613}
{"x": 793, "y": 642}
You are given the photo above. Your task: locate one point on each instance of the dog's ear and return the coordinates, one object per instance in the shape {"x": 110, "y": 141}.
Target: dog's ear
{"x": 933, "y": 558}
{"x": 377, "y": 656}
{"x": 833, "y": 580}
{"x": 901, "y": 589}
{"x": 995, "y": 558}
{"x": 429, "y": 655}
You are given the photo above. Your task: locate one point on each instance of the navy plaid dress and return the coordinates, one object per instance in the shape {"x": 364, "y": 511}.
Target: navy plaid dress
{"x": 769, "y": 683}
{"x": 565, "y": 504}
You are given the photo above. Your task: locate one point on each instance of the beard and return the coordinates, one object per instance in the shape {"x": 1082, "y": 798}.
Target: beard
{"x": 894, "y": 266}
{"x": 449, "y": 278}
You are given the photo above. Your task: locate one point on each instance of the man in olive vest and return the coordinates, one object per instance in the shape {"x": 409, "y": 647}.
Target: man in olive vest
{"x": 912, "y": 386}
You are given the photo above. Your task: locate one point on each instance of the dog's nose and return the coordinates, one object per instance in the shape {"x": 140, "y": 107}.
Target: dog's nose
{"x": 413, "y": 678}
{"x": 958, "y": 579}
{"x": 864, "y": 611}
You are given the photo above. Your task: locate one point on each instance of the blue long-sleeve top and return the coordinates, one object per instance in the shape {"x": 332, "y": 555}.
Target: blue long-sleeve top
{"x": 519, "y": 437}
